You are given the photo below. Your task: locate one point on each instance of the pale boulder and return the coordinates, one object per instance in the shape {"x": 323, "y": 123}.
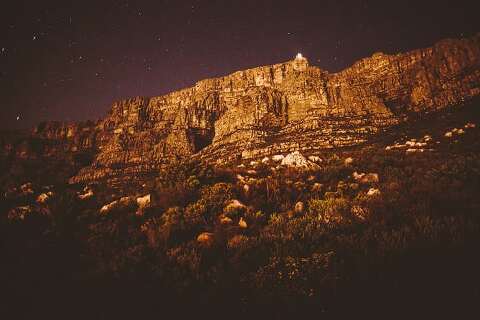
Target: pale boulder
{"x": 206, "y": 238}
{"x": 143, "y": 203}
{"x": 372, "y": 192}
{"x": 42, "y": 198}
{"x": 296, "y": 159}
{"x": 108, "y": 207}
{"x": 317, "y": 187}
{"x": 365, "y": 178}
{"x": 278, "y": 158}
{"x": 315, "y": 159}
{"x": 242, "y": 223}
{"x": 299, "y": 207}
{"x": 348, "y": 161}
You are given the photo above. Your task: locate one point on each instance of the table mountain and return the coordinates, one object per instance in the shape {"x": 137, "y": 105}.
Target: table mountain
{"x": 263, "y": 111}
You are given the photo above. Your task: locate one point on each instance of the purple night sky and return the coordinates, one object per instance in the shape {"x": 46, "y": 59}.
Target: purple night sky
{"x": 64, "y": 61}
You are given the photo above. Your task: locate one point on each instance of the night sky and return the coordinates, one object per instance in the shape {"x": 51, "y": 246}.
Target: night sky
{"x": 69, "y": 61}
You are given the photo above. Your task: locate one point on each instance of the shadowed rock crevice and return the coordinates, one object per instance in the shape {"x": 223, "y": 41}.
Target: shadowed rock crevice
{"x": 201, "y": 138}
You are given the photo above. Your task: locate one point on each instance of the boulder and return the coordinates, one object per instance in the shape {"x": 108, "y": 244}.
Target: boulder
{"x": 297, "y": 160}
{"x": 365, "y": 178}
{"x": 278, "y": 157}
{"x": 42, "y": 198}
{"x": 348, "y": 161}
{"x": 108, "y": 207}
{"x": 242, "y": 223}
{"x": 317, "y": 187}
{"x": 299, "y": 207}
{"x": 315, "y": 159}
{"x": 372, "y": 192}
{"x": 120, "y": 203}
{"x": 143, "y": 203}
{"x": 206, "y": 239}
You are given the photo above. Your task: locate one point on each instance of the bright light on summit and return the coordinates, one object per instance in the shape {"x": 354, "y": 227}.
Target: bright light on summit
{"x": 299, "y": 56}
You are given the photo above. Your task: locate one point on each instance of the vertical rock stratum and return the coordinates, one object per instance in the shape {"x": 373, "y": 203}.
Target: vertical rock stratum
{"x": 281, "y": 108}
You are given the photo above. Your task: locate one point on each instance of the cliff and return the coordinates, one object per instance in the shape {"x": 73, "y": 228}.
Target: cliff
{"x": 270, "y": 110}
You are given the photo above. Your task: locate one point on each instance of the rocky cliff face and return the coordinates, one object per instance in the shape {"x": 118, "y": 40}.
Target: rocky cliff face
{"x": 270, "y": 110}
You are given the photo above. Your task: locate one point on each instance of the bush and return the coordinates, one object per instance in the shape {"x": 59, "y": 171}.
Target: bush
{"x": 331, "y": 210}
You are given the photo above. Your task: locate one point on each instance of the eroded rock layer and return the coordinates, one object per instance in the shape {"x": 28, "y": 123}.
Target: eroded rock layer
{"x": 270, "y": 110}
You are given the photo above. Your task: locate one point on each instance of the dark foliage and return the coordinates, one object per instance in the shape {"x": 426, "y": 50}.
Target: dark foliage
{"x": 409, "y": 251}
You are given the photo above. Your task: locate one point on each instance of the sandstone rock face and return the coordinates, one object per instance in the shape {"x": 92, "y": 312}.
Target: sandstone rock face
{"x": 267, "y": 111}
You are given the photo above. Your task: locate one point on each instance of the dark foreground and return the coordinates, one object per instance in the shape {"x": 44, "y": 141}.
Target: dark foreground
{"x": 410, "y": 250}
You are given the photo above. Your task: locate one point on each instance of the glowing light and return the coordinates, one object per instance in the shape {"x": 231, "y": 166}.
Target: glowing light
{"x": 299, "y": 56}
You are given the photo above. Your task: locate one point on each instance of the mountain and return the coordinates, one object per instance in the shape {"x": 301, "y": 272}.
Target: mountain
{"x": 276, "y": 192}
{"x": 260, "y": 112}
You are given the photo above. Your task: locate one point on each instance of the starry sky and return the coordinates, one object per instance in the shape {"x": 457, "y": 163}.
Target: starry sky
{"x": 68, "y": 61}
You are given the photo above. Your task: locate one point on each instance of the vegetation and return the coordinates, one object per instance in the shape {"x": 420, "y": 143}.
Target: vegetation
{"x": 411, "y": 247}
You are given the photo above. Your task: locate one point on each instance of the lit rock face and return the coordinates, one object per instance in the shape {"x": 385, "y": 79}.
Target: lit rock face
{"x": 270, "y": 110}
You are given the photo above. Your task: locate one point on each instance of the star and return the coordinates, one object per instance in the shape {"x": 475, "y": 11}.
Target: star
{"x": 3, "y": 50}
{"x": 18, "y": 117}
{"x": 34, "y": 37}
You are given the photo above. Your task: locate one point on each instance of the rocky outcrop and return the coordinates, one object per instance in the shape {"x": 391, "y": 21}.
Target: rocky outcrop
{"x": 271, "y": 110}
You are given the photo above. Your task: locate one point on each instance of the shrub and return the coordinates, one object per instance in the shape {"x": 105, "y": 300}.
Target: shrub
{"x": 331, "y": 210}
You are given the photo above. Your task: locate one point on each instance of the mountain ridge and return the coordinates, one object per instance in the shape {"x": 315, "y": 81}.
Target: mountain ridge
{"x": 264, "y": 111}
